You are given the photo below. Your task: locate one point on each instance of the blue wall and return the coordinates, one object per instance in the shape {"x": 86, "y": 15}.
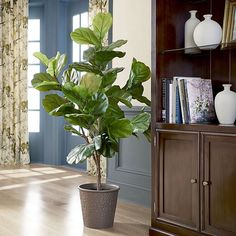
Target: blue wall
{"x": 131, "y": 167}
{"x": 52, "y": 144}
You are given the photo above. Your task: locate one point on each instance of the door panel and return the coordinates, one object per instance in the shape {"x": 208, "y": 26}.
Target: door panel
{"x": 219, "y": 193}
{"x": 178, "y": 193}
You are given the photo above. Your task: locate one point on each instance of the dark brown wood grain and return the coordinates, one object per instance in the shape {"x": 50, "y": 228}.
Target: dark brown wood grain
{"x": 205, "y": 152}
{"x": 219, "y": 197}
{"x": 178, "y": 197}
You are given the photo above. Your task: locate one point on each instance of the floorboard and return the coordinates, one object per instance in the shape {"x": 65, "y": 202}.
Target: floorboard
{"x": 39, "y": 200}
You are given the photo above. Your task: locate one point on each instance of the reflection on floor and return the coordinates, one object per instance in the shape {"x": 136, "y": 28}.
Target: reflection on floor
{"x": 41, "y": 200}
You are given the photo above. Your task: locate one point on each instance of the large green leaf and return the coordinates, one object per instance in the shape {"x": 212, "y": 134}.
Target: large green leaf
{"x": 101, "y": 24}
{"x": 120, "y": 128}
{"x": 72, "y": 92}
{"x": 61, "y": 62}
{"x": 42, "y": 57}
{"x": 80, "y": 153}
{"x": 47, "y": 86}
{"x": 120, "y": 95}
{"x": 147, "y": 133}
{"x": 110, "y": 76}
{"x": 115, "y": 44}
{"x": 98, "y": 104}
{"x": 100, "y": 58}
{"x": 89, "y": 55}
{"x": 71, "y": 129}
{"x": 52, "y": 67}
{"x": 82, "y": 120}
{"x": 64, "y": 109}
{"x": 141, "y": 122}
{"x": 114, "y": 110}
{"x": 91, "y": 83}
{"x": 139, "y": 73}
{"x": 144, "y": 100}
{"x": 56, "y": 64}
{"x": 70, "y": 75}
{"x": 97, "y": 140}
{"x": 103, "y": 57}
{"x": 85, "y": 67}
{"x": 44, "y": 82}
{"x": 85, "y": 36}
{"x": 108, "y": 148}
{"x": 52, "y": 102}
{"x": 136, "y": 91}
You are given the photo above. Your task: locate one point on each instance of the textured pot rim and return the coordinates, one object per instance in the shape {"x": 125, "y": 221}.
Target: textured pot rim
{"x": 89, "y": 187}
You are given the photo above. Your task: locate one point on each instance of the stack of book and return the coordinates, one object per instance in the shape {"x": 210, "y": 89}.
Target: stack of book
{"x": 187, "y": 100}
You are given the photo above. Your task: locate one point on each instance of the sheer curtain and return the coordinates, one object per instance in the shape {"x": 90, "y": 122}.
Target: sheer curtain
{"x": 96, "y": 6}
{"x": 13, "y": 82}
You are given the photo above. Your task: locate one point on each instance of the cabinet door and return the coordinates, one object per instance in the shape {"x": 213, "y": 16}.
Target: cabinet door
{"x": 219, "y": 185}
{"x": 178, "y": 178}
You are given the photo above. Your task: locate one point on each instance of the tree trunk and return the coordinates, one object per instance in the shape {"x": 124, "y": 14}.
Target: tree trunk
{"x": 98, "y": 166}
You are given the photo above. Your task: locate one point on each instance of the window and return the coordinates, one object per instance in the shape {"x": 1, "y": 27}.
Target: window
{"x": 33, "y": 67}
{"x": 79, "y": 20}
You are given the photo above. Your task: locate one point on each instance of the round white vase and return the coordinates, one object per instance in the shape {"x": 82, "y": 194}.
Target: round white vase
{"x": 207, "y": 34}
{"x": 225, "y": 106}
{"x": 189, "y": 27}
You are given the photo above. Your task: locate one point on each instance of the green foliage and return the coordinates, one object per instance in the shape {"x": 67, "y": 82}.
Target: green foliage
{"x": 85, "y": 36}
{"x": 121, "y": 128}
{"x": 80, "y": 153}
{"x": 115, "y": 44}
{"x": 43, "y": 58}
{"x": 57, "y": 106}
{"x": 87, "y": 95}
{"x": 139, "y": 122}
{"x": 45, "y": 82}
{"x": 101, "y": 25}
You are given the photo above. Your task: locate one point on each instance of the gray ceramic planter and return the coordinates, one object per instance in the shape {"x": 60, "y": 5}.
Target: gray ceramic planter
{"x": 98, "y": 207}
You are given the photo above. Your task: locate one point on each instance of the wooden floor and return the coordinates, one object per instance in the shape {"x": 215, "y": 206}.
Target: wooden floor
{"x": 41, "y": 200}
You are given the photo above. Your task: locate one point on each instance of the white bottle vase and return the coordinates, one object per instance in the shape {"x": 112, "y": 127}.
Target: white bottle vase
{"x": 225, "y": 106}
{"x": 189, "y": 27}
{"x": 207, "y": 34}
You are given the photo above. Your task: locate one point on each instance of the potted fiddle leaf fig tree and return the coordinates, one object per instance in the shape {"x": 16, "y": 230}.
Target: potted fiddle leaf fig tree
{"x": 86, "y": 95}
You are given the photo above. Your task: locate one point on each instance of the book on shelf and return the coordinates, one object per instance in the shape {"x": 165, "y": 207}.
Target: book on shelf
{"x": 187, "y": 100}
{"x": 178, "y": 114}
{"x": 165, "y": 98}
{"x": 163, "y": 110}
{"x": 200, "y": 100}
{"x": 182, "y": 98}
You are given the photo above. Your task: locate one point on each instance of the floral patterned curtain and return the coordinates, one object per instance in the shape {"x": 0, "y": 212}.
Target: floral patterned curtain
{"x": 13, "y": 82}
{"x": 96, "y": 6}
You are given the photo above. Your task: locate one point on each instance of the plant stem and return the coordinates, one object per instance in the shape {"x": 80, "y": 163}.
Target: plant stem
{"x": 84, "y": 136}
{"x": 98, "y": 166}
{"x": 97, "y": 161}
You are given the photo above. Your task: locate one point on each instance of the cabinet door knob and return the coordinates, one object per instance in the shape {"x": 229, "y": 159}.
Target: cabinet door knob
{"x": 193, "y": 181}
{"x": 205, "y": 183}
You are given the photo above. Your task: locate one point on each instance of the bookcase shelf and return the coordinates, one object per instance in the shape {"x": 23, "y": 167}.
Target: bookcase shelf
{"x": 204, "y": 49}
{"x": 197, "y": 127}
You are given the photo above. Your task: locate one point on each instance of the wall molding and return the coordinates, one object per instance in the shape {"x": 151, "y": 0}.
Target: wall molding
{"x": 134, "y": 180}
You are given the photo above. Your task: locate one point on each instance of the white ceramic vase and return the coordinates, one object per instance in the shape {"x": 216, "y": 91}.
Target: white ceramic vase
{"x": 225, "y": 106}
{"x": 189, "y": 27}
{"x": 207, "y": 34}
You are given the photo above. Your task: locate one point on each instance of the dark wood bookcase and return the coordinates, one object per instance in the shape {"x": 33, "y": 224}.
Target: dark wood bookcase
{"x": 193, "y": 165}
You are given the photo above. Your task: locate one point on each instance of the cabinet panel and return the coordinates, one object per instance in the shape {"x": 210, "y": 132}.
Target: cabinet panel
{"x": 178, "y": 180}
{"x": 219, "y": 192}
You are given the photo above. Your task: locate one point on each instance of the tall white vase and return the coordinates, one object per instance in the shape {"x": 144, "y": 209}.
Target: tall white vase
{"x": 189, "y": 27}
{"x": 207, "y": 34}
{"x": 225, "y": 106}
